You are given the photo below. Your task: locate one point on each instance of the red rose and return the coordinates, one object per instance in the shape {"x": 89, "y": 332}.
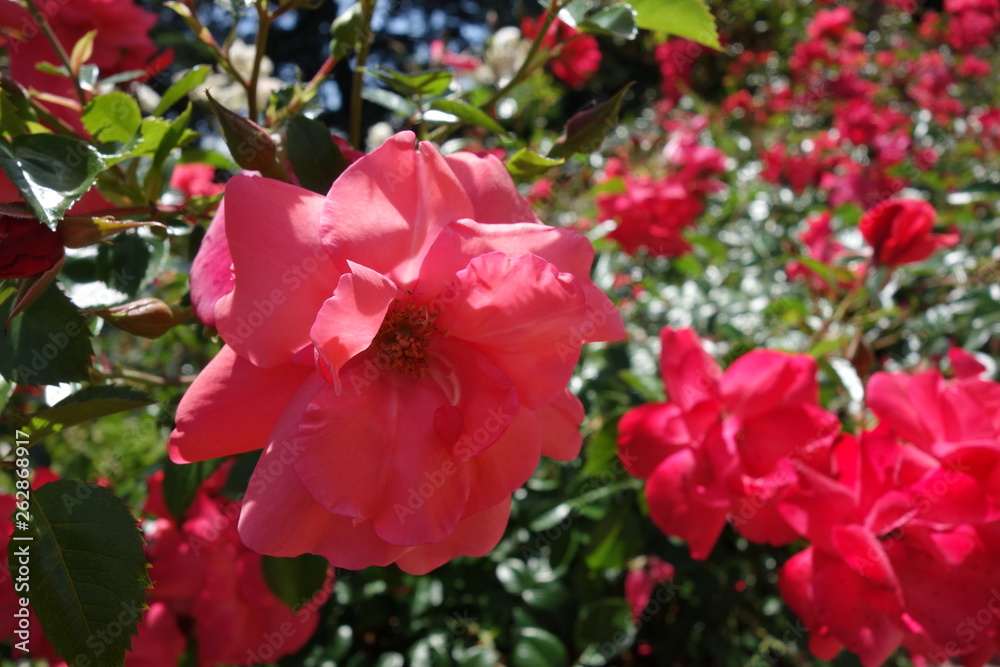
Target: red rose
{"x": 899, "y": 231}
{"x": 580, "y": 55}
{"x": 27, "y": 247}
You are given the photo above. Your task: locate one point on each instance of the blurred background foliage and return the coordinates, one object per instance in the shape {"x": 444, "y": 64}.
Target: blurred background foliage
{"x": 552, "y": 592}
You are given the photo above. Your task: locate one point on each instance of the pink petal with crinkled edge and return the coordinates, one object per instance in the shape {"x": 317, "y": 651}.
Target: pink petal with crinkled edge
{"x": 463, "y": 240}
{"x": 560, "y": 422}
{"x": 524, "y": 314}
{"x": 348, "y": 321}
{"x": 475, "y": 536}
{"x": 281, "y": 518}
{"x": 373, "y": 454}
{"x": 387, "y": 208}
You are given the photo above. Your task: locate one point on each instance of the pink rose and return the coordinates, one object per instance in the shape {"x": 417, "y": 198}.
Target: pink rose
{"x": 400, "y": 349}
{"x": 206, "y": 580}
{"x": 727, "y": 446}
{"x": 640, "y": 582}
{"x": 195, "y": 179}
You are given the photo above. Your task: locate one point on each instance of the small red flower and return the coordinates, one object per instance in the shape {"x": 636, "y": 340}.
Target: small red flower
{"x": 27, "y": 247}
{"x": 580, "y": 55}
{"x": 899, "y": 231}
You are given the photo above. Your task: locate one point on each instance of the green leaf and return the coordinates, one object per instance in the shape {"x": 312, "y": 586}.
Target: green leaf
{"x": 88, "y": 571}
{"x": 684, "y": 18}
{"x": 526, "y": 163}
{"x": 613, "y": 540}
{"x": 295, "y": 581}
{"x": 585, "y": 131}
{"x": 572, "y": 13}
{"x": 112, "y": 117}
{"x": 315, "y": 158}
{"x": 172, "y": 136}
{"x": 123, "y": 263}
{"x": 48, "y": 343}
{"x": 123, "y": 77}
{"x": 477, "y": 656}
{"x": 603, "y": 631}
{"x": 469, "y": 115}
{"x": 175, "y": 93}
{"x": 85, "y": 405}
{"x": 832, "y": 275}
{"x": 51, "y": 171}
{"x": 536, "y": 647}
{"x": 425, "y": 84}
{"x": 618, "y": 21}
{"x": 182, "y": 481}
{"x": 347, "y": 31}
{"x": 11, "y": 122}
{"x": 250, "y": 145}
{"x": 82, "y": 50}
{"x": 390, "y": 100}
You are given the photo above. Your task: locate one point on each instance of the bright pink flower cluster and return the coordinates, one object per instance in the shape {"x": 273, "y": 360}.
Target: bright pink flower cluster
{"x": 579, "y": 55}
{"x": 676, "y": 59}
{"x": 864, "y": 147}
{"x": 905, "y": 530}
{"x": 400, "y": 349}
{"x": 726, "y": 446}
{"x": 206, "y": 582}
{"x": 652, "y": 213}
{"x": 642, "y": 579}
{"x": 972, "y": 23}
{"x": 903, "y": 520}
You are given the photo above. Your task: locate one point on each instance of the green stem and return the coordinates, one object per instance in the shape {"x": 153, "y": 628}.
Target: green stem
{"x": 528, "y": 65}
{"x": 364, "y": 47}
{"x": 263, "y": 28}
{"x": 840, "y": 312}
{"x": 60, "y": 51}
{"x": 299, "y": 100}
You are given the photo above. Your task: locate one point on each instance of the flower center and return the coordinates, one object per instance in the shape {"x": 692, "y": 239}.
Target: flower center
{"x": 402, "y": 340}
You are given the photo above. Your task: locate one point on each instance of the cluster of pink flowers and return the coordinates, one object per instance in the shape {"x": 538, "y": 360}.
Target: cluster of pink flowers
{"x": 726, "y": 446}
{"x": 207, "y": 587}
{"x": 906, "y": 527}
{"x": 870, "y": 150}
{"x": 676, "y": 58}
{"x": 652, "y": 213}
{"x": 207, "y": 582}
{"x": 902, "y": 519}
